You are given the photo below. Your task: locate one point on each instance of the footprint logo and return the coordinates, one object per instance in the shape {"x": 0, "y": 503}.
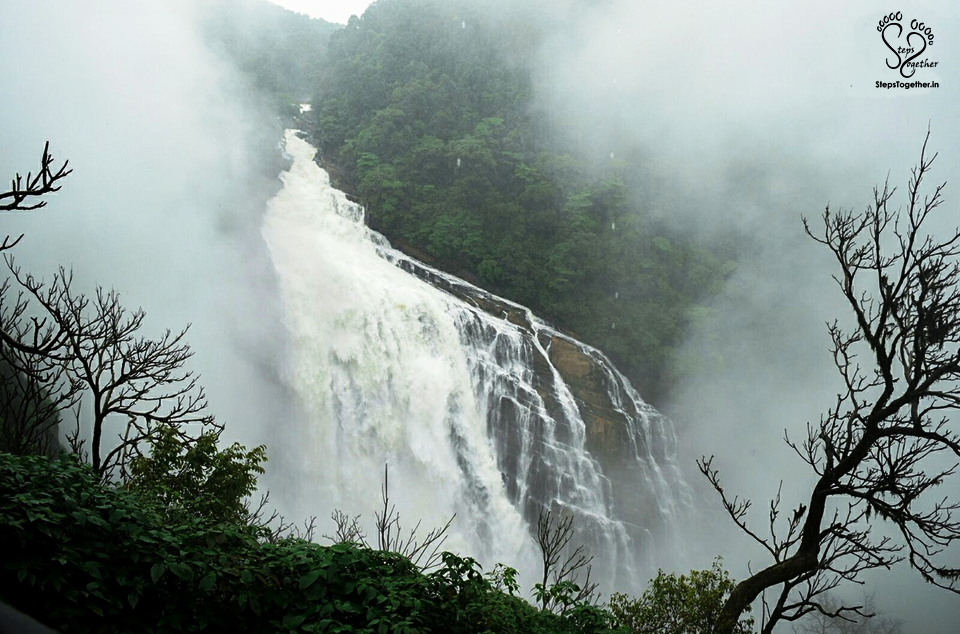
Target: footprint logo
{"x": 907, "y": 49}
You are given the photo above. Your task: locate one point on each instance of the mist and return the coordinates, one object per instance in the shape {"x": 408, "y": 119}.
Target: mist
{"x": 173, "y": 158}
{"x": 745, "y": 119}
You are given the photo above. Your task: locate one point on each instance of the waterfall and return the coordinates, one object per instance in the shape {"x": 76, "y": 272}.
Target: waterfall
{"x": 459, "y": 391}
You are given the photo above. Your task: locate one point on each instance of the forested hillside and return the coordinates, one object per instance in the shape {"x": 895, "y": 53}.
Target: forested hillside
{"x": 279, "y": 51}
{"x": 426, "y": 110}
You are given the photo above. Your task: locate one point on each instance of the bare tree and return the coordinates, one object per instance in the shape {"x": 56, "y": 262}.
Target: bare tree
{"x": 348, "y": 529}
{"x": 871, "y": 623}
{"x": 122, "y": 373}
{"x": 33, "y": 389}
{"x": 83, "y": 351}
{"x": 29, "y": 335}
{"x": 872, "y": 449}
{"x": 561, "y": 564}
{"x": 422, "y": 552}
{"x": 274, "y": 526}
{"x": 29, "y": 410}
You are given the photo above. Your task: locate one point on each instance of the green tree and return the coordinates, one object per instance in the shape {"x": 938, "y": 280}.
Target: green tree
{"x": 197, "y": 480}
{"x": 424, "y": 109}
{"x": 678, "y": 605}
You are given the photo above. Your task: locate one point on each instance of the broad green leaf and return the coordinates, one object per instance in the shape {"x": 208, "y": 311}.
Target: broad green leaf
{"x": 182, "y": 570}
{"x": 293, "y": 620}
{"x": 309, "y": 579}
{"x": 209, "y": 580}
{"x": 316, "y": 592}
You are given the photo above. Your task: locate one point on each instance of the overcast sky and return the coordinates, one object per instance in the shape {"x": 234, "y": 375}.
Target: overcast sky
{"x": 167, "y": 150}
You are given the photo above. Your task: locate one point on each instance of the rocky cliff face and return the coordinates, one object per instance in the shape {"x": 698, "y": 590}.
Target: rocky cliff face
{"x": 603, "y": 397}
{"x": 587, "y": 379}
{"x": 572, "y": 389}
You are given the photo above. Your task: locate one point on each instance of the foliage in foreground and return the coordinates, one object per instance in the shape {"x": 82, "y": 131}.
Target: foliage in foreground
{"x": 679, "y": 605}
{"x": 83, "y": 556}
{"x": 198, "y": 480}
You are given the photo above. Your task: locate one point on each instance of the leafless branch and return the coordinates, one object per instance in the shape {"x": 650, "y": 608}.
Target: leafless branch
{"x": 899, "y": 368}
{"x": 348, "y": 529}
{"x": 833, "y": 618}
{"x": 422, "y": 552}
{"x": 92, "y": 355}
{"x": 560, "y": 562}
{"x": 24, "y": 191}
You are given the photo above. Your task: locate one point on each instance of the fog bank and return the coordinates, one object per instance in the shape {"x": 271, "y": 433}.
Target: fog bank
{"x": 744, "y": 118}
{"x": 172, "y": 160}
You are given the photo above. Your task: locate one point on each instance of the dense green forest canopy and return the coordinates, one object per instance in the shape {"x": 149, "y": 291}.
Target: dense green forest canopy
{"x": 426, "y": 111}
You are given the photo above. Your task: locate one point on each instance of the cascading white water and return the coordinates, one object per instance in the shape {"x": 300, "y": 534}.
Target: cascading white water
{"x": 393, "y": 369}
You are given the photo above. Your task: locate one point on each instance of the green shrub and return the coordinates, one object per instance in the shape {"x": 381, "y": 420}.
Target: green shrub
{"x": 83, "y": 556}
{"x": 678, "y": 605}
{"x": 200, "y": 480}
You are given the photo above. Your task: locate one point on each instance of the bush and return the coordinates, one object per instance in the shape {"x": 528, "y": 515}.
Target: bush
{"x": 678, "y": 605}
{"x": 83, "y": 556}
{"x": 198, "y": 480}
